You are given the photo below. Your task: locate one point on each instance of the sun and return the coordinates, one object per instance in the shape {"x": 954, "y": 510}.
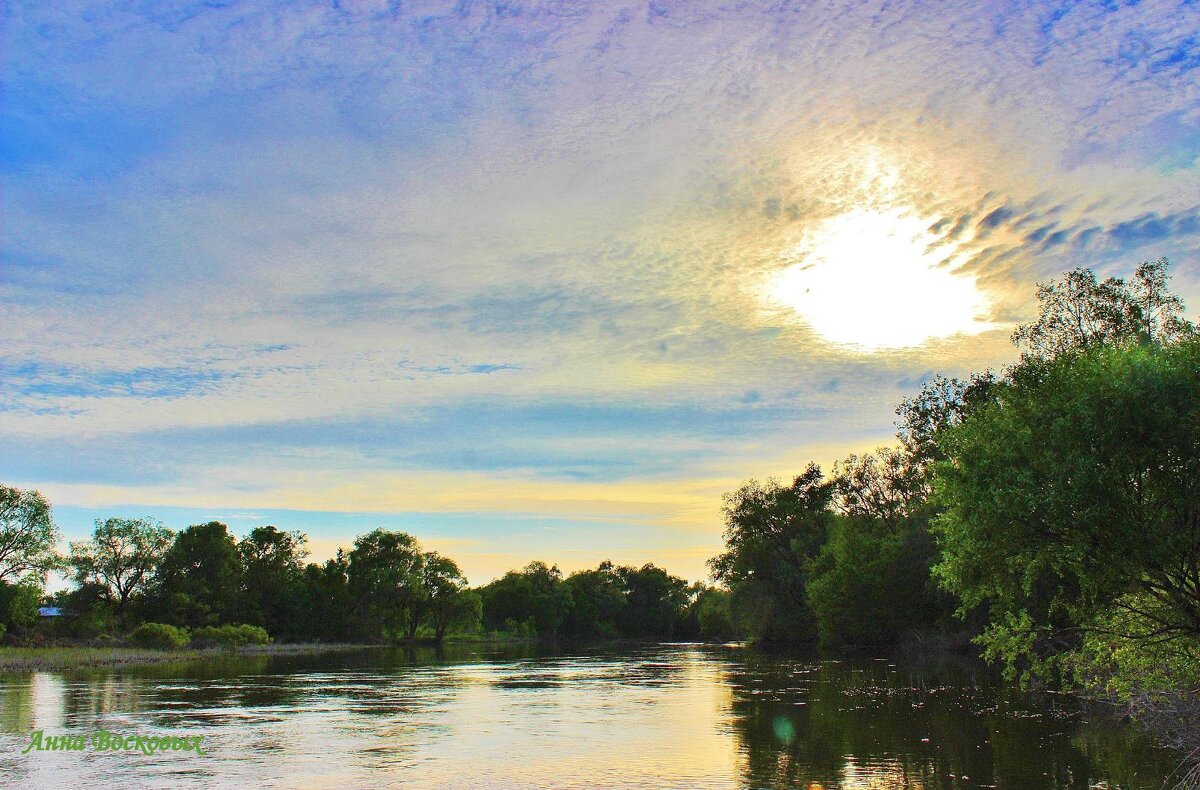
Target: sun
{"x": 878, "y": 280}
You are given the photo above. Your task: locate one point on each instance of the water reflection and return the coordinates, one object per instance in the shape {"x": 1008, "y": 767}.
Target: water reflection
{"x": 873, "y": 724}
{"x": 651, "y": 716}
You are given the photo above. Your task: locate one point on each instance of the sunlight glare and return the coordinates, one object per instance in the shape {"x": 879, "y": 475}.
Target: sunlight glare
{"x": 871, "y": 279}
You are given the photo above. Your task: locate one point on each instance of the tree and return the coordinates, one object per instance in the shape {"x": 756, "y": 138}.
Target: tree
{"x": 597, "y": 602}
{"x": 201, "y": 576}
{"x": 324, "y": 604}
{"x": 121, "y": 558}
{"x": 443, "y": 585}
{"x": 870, "y": 583}
{"x": 942, "y": 403}
{"x": 713, "y": 614}
{"x": 772, "y": 534}
{"x": 460, "y": 611}
{"x": 884, "y": 488}
{"x": 535, "y": 596}
{"x": 273, "y": 561}
{"x": 1053, "y": 469}
{"x": 28, "y": 537}
{"x": 1079, "y": 313}
{"x": 654, "y": 601}
{"x": 386, "y": 582}
{"x": 19, "y": 605}
{"x": 1073, "y": 495}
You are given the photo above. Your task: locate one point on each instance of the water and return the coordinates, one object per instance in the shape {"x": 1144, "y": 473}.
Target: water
{"x": 651, "y": 716}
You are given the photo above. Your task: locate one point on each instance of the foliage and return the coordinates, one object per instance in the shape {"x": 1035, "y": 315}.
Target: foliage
{"x": 273, "y": 569}
{"x": 230, "y": 636}
{"x": 941, "y": 404}
{"x": 535, "y": 595}
{"x": 324, "y": 602}
{"x": 461, "y": 612}
{"x": 714, "y": 615}
{"x": 871, "y": 587}
{"x": 1074, "y": 492}
{"x": 772, "y": 534}
{"x": 446, "y": 602}
{"x": 1079, "y": 313}
{"x": 1122, "y": 656}
{"x": 885, "y": 489}
{"x": 1071, "y": 495}
{"x": 654, "y": 600}
{"x": 609, "y": 601}
{"x": 597, "y": 602}
{"x": 201, "y": 577}
{"x": 870, "y": 584}
{"x": 159, "y": 636}
{"x": 386, "y": 582}
{"x": 28, "y": 537}
{"x": 19, "y": 605}
{"x": 121, "y": 558}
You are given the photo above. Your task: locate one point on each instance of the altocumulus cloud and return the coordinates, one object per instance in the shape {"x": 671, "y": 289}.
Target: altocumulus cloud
{"x": 521, "y": 246}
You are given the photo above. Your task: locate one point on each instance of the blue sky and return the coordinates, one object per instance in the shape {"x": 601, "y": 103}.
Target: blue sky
{"x": 544, "y": 279}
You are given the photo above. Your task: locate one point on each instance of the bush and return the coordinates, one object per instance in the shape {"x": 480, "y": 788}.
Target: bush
{"x": 159, "y": 636}
{"x": 19, "y": 605}
{"x": 230, "y": 637}
{"x": 92, "y": 623}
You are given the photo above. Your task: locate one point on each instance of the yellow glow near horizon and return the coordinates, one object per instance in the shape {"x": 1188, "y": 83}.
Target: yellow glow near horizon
{"x": 872, "y": 279}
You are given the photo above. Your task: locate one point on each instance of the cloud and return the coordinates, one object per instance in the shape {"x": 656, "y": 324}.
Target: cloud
{"x": 471, "y": 240}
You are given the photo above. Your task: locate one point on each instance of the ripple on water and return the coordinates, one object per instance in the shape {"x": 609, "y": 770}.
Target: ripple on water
{"x": 671, "y": 715}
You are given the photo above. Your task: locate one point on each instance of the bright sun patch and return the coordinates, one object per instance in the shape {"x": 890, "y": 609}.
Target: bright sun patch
{"x": 873, "y": 280}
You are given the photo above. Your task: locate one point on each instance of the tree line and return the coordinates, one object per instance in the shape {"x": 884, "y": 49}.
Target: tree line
{"x": 1049, "y": 511}
{"x": 387, "y": 588}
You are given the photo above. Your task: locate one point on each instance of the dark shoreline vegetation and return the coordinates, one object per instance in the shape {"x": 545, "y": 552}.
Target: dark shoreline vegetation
{"x": 1045, "y": 517}
{"x": 64, "y": 657}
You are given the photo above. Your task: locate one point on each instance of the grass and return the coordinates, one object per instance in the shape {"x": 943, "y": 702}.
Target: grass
{"x": 43, "y": 659}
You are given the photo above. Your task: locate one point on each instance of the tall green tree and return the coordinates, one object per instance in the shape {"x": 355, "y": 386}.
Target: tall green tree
{"x": 273, "y": 564}
{"x": 713, "y": 615}
{"x": 19, "y": 605}
{"x": 1078, "y": 313}
{"x": 1075, "y": 493}
{"x": 871, "y": 584}
{"x": 386, "y": 583}
{"x": 654, "y": 602}
{"x": 121, "y": 558}
{"x": 534, "y": 596}
{"x": 597, "y": 602}
{"x": 28, "y": 537}
{"x": 442, "y": 601}
{"x": 325, "y": 605}
{"x": 772, "y": 535}
{"x": 200, "y": 578}
{"x": 1069, "y": 489}
{"x": 461, "y": 610}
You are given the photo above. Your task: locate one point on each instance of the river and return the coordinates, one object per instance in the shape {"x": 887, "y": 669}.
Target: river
{"x": 652, "y": 716}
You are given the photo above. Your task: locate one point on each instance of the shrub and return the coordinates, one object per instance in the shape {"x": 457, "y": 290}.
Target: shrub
{"x": 230, "y": 636}
{"x": 159, "y": 636}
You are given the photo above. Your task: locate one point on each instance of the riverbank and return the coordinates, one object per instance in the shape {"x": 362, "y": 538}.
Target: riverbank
{"x": 59, "y": 658}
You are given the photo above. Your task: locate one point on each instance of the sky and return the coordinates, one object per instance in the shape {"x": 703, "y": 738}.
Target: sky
{"x": 543, "y": 280}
